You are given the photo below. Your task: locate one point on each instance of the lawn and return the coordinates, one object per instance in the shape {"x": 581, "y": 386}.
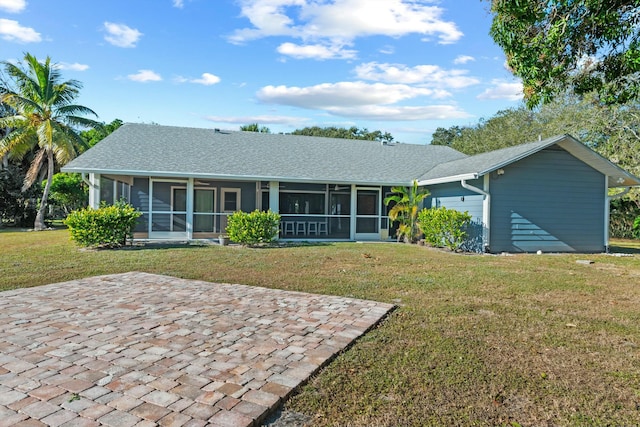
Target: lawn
{"x": 476, "y": 339}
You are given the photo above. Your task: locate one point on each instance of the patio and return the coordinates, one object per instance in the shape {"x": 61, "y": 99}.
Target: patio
{"x": 138, "y": 349}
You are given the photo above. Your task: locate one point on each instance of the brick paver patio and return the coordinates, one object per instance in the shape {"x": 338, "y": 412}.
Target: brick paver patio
{"x": 139, "y": 349}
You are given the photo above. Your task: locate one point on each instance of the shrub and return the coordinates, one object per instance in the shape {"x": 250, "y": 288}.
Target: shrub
{"x": 253, "y": 228}
{"x": 636, "y": 227}
{"x": 108, "y": 226}
{"x": 444, "y": 227}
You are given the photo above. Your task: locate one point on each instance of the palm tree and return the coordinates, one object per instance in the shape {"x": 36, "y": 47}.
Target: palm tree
{"x": 42, "y": 119}
{"x": 407, "y": 206}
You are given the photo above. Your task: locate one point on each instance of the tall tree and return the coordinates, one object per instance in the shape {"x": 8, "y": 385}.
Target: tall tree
{"x": 344, "y": 133}
{"x": 43, "y": 118}
{"x": 95, "y": 135}
{"x": 255, "y": 127}
{"x": 585, "y": 45}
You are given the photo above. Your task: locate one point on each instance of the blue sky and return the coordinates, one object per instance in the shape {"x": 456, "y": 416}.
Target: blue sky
{"x": 400, "y": 66}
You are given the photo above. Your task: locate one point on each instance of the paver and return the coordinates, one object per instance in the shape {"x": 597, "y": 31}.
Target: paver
{"x": 137, "y": 349}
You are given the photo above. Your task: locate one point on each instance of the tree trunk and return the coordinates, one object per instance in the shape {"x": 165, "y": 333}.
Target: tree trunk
{"x": 39, "y": 223}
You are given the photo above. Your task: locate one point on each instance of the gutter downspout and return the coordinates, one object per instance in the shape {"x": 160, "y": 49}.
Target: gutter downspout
{"x": 607, "y": 211}
{"x": 486, "y": 211}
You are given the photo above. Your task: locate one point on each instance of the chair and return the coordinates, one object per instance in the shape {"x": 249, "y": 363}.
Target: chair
{"x": 288, "y": 228}
{"x": 322, "y": 228}
{"x": 312, "y": 228}
{"x": 301, "y": 228}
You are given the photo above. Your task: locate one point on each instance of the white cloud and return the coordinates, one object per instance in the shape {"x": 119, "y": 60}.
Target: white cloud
{"x": 463, "y": 59}
{"x": 426, "y": 75}
{"x": 12, "y": 31}
{"x": 387, "y": 50}
{"x": 145, "y": 76}
{"x": 342, "y": 94}
{"x": 206, "y": 79}
{"x": 13, "y": 6}
{"x": 178, "y": 3}
{"x": 260, "y": 119}
{"x": 511, "y": 91}
{"x": 73, "y": 67}
{"x": 121, "y": 35}
{"x": 316, "y": 51}
{"x": 402, "y": 113}
{"x": 342, "y": 21}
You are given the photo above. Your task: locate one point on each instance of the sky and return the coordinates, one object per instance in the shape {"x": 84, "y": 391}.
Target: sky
{"x": 405, "y": 67}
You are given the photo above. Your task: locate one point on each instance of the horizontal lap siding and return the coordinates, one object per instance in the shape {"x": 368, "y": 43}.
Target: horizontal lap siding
{"x": 551, "y": 202}
{"x": 453, "y": 196}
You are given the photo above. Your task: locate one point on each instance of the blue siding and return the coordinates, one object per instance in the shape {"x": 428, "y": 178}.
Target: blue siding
{"x": 551, "y": 202}
{"x": 453, "y": 196}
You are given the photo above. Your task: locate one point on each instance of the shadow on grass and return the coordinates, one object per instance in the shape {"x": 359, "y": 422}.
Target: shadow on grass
{"x": 620, "y": 246}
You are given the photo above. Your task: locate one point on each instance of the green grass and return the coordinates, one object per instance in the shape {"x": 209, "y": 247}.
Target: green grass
{"x": 476, "y": 340}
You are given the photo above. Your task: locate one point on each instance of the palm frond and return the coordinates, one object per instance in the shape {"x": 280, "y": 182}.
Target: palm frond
{"x": 34, "y": 169}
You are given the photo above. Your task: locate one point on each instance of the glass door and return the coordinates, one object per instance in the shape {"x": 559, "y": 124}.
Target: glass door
{"x": 367, "y": 214}
{"x": 168, "y": 216}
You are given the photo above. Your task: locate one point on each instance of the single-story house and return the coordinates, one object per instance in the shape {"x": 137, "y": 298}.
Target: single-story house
{"x": 551, "y": 195}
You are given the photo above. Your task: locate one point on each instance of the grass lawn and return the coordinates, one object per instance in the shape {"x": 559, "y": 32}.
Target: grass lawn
{"x": 476, "y": 339}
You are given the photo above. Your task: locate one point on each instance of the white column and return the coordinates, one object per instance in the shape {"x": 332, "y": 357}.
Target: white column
{"x": 94, "y": 190}
{"x": 274, "y": 196}
{"x": 486, "y": 213}
{"x": 354, "y": 212}
{"x": 607, "y": 213}
{"x": 190, "y": 202}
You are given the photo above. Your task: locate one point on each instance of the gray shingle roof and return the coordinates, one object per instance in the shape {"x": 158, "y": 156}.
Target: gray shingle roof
{"x": 481, "y": 164}
{"x": 153, "y": 150}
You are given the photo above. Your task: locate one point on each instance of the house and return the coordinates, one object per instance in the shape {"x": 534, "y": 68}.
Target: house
{"x": 550, "y": 195}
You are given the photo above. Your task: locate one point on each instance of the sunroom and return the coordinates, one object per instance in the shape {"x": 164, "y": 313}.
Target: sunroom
{"x": 192, "y": 208}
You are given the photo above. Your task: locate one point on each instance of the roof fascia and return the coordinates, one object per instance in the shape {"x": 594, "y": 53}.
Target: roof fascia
{"x": 228, "y": 177}
{"x": 447, "y": 179}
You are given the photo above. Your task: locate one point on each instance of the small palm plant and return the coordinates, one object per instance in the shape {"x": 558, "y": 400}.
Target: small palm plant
{"x": 408, "y": 201}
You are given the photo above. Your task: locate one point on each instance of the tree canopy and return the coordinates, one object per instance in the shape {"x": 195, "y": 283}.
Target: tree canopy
{"x": 584, "y": 45}
{"x": 95, "y": 135}
{"x": 255, "y": 127}
{"x": 350, "y": 133}
{"x": 43, "y": 118}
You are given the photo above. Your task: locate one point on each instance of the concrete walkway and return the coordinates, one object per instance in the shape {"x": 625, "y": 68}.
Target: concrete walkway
{"x": 138, "y": 349}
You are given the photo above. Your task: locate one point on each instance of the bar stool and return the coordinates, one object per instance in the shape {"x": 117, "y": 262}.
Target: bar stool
{"x": 301, "y": 227}
{"x": 288, "y": 228}
{"x": 322, "y": 228}
{"x": 312, "y": 228}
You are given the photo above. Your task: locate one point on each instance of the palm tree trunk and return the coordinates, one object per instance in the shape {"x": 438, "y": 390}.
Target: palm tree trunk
{"x": 39, "y": 223}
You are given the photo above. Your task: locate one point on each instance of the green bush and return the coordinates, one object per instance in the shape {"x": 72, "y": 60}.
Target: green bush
{"x": 108, "y": 226}
{"x": 636, "y": 227}
{"x": 444, "y": 227}
{"x": 253, "y": 228}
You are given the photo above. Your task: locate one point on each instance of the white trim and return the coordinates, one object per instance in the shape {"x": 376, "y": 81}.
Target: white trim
{"x": 223, "y": 191}
{"x": 212, "y": 214}
{"x": 486, "y": 206}
{"x": 230, "y": 177}
{"x": 168, "y": 234}
{"x": 189, "y": 202}
{"x": 94, "y": 190}
{"x": 447, "y": 179}
{"x": 355, "y": 216}
{"x": 274, "y": 196}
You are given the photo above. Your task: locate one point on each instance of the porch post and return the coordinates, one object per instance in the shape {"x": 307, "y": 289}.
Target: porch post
{"x": 353, "y": 213}
{"x": 274, "y": 196}
{"x": 190, "y": 195}
{"x": 94, "y": 190}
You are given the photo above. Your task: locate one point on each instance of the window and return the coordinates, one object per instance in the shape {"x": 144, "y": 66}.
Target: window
{"x": 203, "y": 210}
{"x": 230, "y": 199}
